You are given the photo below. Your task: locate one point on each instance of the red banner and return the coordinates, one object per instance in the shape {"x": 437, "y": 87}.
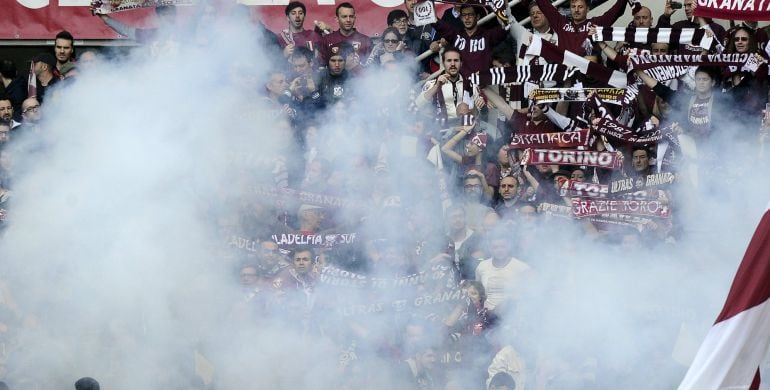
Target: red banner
{"x": 42, "y": 19}
{"x": 611, "y": 160}
{"x": 551, "y": 140}
{"x": 734, "y": 9}
{"x": 589, "y": 207}
{"x": 584, "y": 189}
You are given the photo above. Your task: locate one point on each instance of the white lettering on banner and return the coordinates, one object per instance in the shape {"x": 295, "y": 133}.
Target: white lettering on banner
{"x": 734, "y": 5}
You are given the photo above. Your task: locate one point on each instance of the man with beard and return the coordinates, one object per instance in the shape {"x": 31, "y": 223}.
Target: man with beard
{"x": 509, "y": 197}
{"x": 448, "y": 90}
{"x": 296, "y": 36}
{"x": 6, "y": 112}
{"x": 361, "y": 44}
{"x": 271, "y": 261}
{"x": 31, "y": 115}
{"x": 64, "y": 50}
{"x": 13, "y": 86}
{"x": 44, "y": 67}
{"x": 475, "y": 43}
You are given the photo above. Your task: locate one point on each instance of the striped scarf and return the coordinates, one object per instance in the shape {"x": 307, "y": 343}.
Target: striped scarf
{"x": 553, "y": 54}
{"x": 671, "y": 36}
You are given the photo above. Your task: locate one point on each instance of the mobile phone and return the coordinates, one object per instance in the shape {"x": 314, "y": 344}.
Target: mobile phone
{"x": 676, "y": 5}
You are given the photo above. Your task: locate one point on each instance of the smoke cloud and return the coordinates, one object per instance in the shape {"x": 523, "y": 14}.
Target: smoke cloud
{"x": 116, "y": 257}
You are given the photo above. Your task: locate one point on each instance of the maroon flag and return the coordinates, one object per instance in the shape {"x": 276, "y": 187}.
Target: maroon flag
{"x": 31, "y": 81}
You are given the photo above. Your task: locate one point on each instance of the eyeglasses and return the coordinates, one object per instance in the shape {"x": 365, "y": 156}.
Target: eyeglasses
{"x": 741, "y": 39}
{"x": 390, "y": 40}
{"x": 467, "y": 15}
{"x": 31, "y": 109}
{"x": 401, "y": 21}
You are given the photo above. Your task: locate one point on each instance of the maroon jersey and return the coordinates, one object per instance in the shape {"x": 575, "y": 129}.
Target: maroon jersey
{"x": 360, "y": 42}
{"x": 573, "y": 36}
{"x": 477, "y": 49}
{"x": 307, "y": 38}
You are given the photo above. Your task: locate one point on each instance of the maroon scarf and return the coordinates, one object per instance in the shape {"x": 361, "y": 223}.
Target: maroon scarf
{"x": 609, "y": 160}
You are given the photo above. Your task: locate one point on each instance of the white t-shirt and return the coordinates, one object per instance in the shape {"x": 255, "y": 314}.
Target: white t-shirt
{"x": 500, "y": 283}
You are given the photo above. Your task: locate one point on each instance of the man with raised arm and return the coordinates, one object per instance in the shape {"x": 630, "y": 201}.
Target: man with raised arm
{"x": 573, "y": 33}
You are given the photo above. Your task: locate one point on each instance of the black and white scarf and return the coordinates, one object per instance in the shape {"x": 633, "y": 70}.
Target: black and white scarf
{"x": 671, "y": 36}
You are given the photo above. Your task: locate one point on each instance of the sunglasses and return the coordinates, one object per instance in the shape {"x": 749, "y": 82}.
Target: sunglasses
{"x": 741, "y": 39}
{"x": 390, "y": 40}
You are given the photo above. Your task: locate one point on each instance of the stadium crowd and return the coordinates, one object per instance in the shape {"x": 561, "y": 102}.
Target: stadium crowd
{"x": 512, "y": 131}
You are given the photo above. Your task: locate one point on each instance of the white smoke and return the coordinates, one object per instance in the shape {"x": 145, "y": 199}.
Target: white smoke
{"x": 113, "y": 247}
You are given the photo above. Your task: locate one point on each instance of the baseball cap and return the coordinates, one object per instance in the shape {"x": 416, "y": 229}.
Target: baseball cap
{"x": 46, "y": 58}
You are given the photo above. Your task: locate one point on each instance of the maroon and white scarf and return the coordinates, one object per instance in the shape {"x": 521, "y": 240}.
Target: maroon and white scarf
{"x": 552, "y": 140}
{"x": 440, "y": 103}
{"x": 288, "y": 240}
{"x": 584, "y": 189}
{"x": 609, "y": 160}
{"x": 32, "y": 81}
{"x": 630, "y": 184}
{"x": 586, "y": 207}
{"x": 612, "y": 129}
{"x": 747, "y": 61}
{"x": 671, "y": 36}
{"x": 104, "y": 7}
{"x": 562, "y": 211}
{"x": 553, "y": 54}
{"x": 287, "y": 36}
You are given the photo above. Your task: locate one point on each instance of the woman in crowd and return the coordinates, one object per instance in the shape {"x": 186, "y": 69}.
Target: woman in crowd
{"x": 391, "y": 49}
